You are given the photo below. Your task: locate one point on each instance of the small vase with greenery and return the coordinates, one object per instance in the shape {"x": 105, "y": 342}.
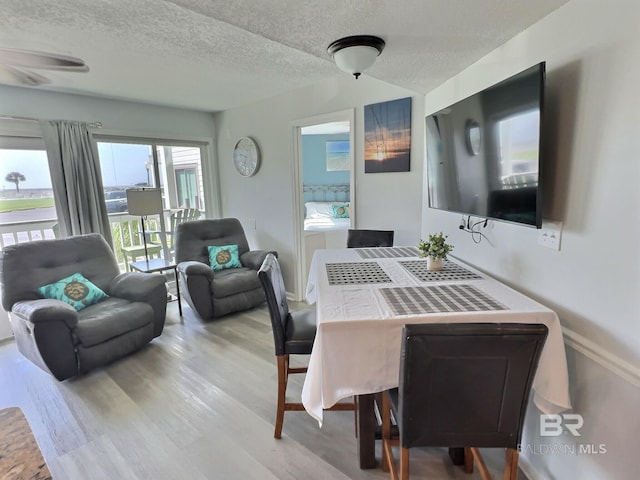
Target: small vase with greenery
{"x": 435, "y": 249}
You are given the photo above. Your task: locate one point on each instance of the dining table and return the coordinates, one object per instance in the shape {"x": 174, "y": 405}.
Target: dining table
{"x": 364, "y": 296}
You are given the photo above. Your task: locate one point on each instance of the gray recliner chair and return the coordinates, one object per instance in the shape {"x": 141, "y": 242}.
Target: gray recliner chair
{"x": 56, "y": 337}
{"x": 216, "y": 293}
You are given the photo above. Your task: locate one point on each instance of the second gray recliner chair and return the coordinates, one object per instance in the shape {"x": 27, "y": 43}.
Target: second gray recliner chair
{"x": 216, "y": 293}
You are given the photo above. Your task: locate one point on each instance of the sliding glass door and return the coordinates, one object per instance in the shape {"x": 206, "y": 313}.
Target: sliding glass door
{"x": 125, "y": 165}
{"x": 175, "y": 169}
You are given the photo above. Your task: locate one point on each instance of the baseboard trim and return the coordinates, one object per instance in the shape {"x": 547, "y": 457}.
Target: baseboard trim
{"x": 601, "y": 356}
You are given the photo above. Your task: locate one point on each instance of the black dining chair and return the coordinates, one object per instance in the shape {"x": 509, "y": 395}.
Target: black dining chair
{"x": 293, "y": 334}
{"x": 369, "y": 238}
{"x": 462, "y": 385}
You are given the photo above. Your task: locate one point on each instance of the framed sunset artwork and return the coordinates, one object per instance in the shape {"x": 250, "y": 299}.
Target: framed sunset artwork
{"x": 387, "y": 132}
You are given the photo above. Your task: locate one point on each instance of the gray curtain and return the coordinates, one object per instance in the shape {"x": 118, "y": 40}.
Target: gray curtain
{"x": 76, "y": 178}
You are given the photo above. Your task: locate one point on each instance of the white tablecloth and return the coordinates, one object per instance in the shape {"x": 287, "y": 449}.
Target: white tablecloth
{"x": 357, "y": 345}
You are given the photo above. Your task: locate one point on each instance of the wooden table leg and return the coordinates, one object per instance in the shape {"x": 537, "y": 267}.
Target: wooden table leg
{"x": 367, "y": 426}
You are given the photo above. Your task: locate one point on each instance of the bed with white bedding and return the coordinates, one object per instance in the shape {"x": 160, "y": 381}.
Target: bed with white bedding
{"x": 327, "y": 217}
{"x": 327, "y": 208}
{"x": 324, "y": 216}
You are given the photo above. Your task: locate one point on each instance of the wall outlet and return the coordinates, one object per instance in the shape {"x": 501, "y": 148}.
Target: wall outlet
{"x": 550, "y": 234}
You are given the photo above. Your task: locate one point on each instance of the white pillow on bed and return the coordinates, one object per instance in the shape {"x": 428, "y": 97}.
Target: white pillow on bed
{"x": 321, "y": 209}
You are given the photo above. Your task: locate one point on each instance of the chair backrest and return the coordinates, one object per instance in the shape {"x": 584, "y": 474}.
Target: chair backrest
{"x": 26, "y": 266}
{"x": 193, "y": 238}
{"x": 466, "y": 385}
{"x": 271, "y": 278}
{"x": 369, "y": 238}
{"x": 184, "y": 215}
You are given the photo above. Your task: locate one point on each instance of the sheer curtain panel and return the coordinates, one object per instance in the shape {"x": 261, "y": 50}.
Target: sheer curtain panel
{"x": 76, "y": 178}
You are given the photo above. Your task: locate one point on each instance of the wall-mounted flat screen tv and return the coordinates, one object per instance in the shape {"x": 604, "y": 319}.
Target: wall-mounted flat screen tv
{"x": 483, "y": 152}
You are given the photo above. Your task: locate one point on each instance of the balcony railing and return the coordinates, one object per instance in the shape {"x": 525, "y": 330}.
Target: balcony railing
{"x": 126, "y": 231}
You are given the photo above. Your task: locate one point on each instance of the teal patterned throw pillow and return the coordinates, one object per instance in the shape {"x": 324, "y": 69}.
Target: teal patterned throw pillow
{"x": 340, "y": 211}
{"x": 225, "y": 256}
{"x": 75, "y": 290}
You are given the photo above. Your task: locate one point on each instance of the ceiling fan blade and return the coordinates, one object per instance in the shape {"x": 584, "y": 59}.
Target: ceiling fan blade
{"x": 35, "y": 59}
{"x": 15, "y": 76}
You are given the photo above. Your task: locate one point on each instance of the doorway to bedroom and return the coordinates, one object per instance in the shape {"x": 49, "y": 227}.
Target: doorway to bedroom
{"x": 325, "y": 186}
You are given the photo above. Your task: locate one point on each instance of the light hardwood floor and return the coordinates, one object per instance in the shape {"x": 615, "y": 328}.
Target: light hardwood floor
{"x": 197, "y": 403}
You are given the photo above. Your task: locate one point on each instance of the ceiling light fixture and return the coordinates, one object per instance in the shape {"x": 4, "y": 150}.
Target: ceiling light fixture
{"x": 356, "y": 54}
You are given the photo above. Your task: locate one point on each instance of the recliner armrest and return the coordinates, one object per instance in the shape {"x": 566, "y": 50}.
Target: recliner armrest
{"x": 195, "y": 268}
{"x": 149, "y": 288}
{"x": 135, "y": 286}
{"x": 196, "y": 280}
{"x": 253, "y": 259}
{"x": 46, "y": 310}
{"x": 44, "y": 332}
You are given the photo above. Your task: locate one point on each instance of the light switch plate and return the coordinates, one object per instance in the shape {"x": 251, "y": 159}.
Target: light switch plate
{"x": 550, "y": 234}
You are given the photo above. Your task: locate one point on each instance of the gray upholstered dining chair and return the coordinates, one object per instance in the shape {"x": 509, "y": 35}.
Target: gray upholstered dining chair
{"x": 72, "y": 335}
{"x": 462, "y": 385}
{"x": 369, "y": 238}
{"x": 293, "y": 334}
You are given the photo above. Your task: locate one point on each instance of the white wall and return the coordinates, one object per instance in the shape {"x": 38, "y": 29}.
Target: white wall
{"x": 118, "y": 117}
{"x": 593, "y": 174}
{"x": 383, "y": 200}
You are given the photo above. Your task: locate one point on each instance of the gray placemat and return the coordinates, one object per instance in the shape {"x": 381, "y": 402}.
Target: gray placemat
{"x": 355, "y": 273}
{"x": 450, "y": 271}
{"x": 438, "y": 299}
{"x": 387, "y": 252}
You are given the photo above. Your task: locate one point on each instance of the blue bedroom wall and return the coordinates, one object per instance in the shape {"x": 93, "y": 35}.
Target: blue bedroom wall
{"x": 314, "y": 162}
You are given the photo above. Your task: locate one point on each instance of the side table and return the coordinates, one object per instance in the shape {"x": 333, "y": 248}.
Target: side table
{"x": 159, "y": 265}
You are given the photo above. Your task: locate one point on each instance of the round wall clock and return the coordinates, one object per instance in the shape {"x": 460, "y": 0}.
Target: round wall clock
{"x": 246, "y": 157}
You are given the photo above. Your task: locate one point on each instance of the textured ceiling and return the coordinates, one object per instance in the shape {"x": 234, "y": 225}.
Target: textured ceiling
{"x": 213, "y": 55}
